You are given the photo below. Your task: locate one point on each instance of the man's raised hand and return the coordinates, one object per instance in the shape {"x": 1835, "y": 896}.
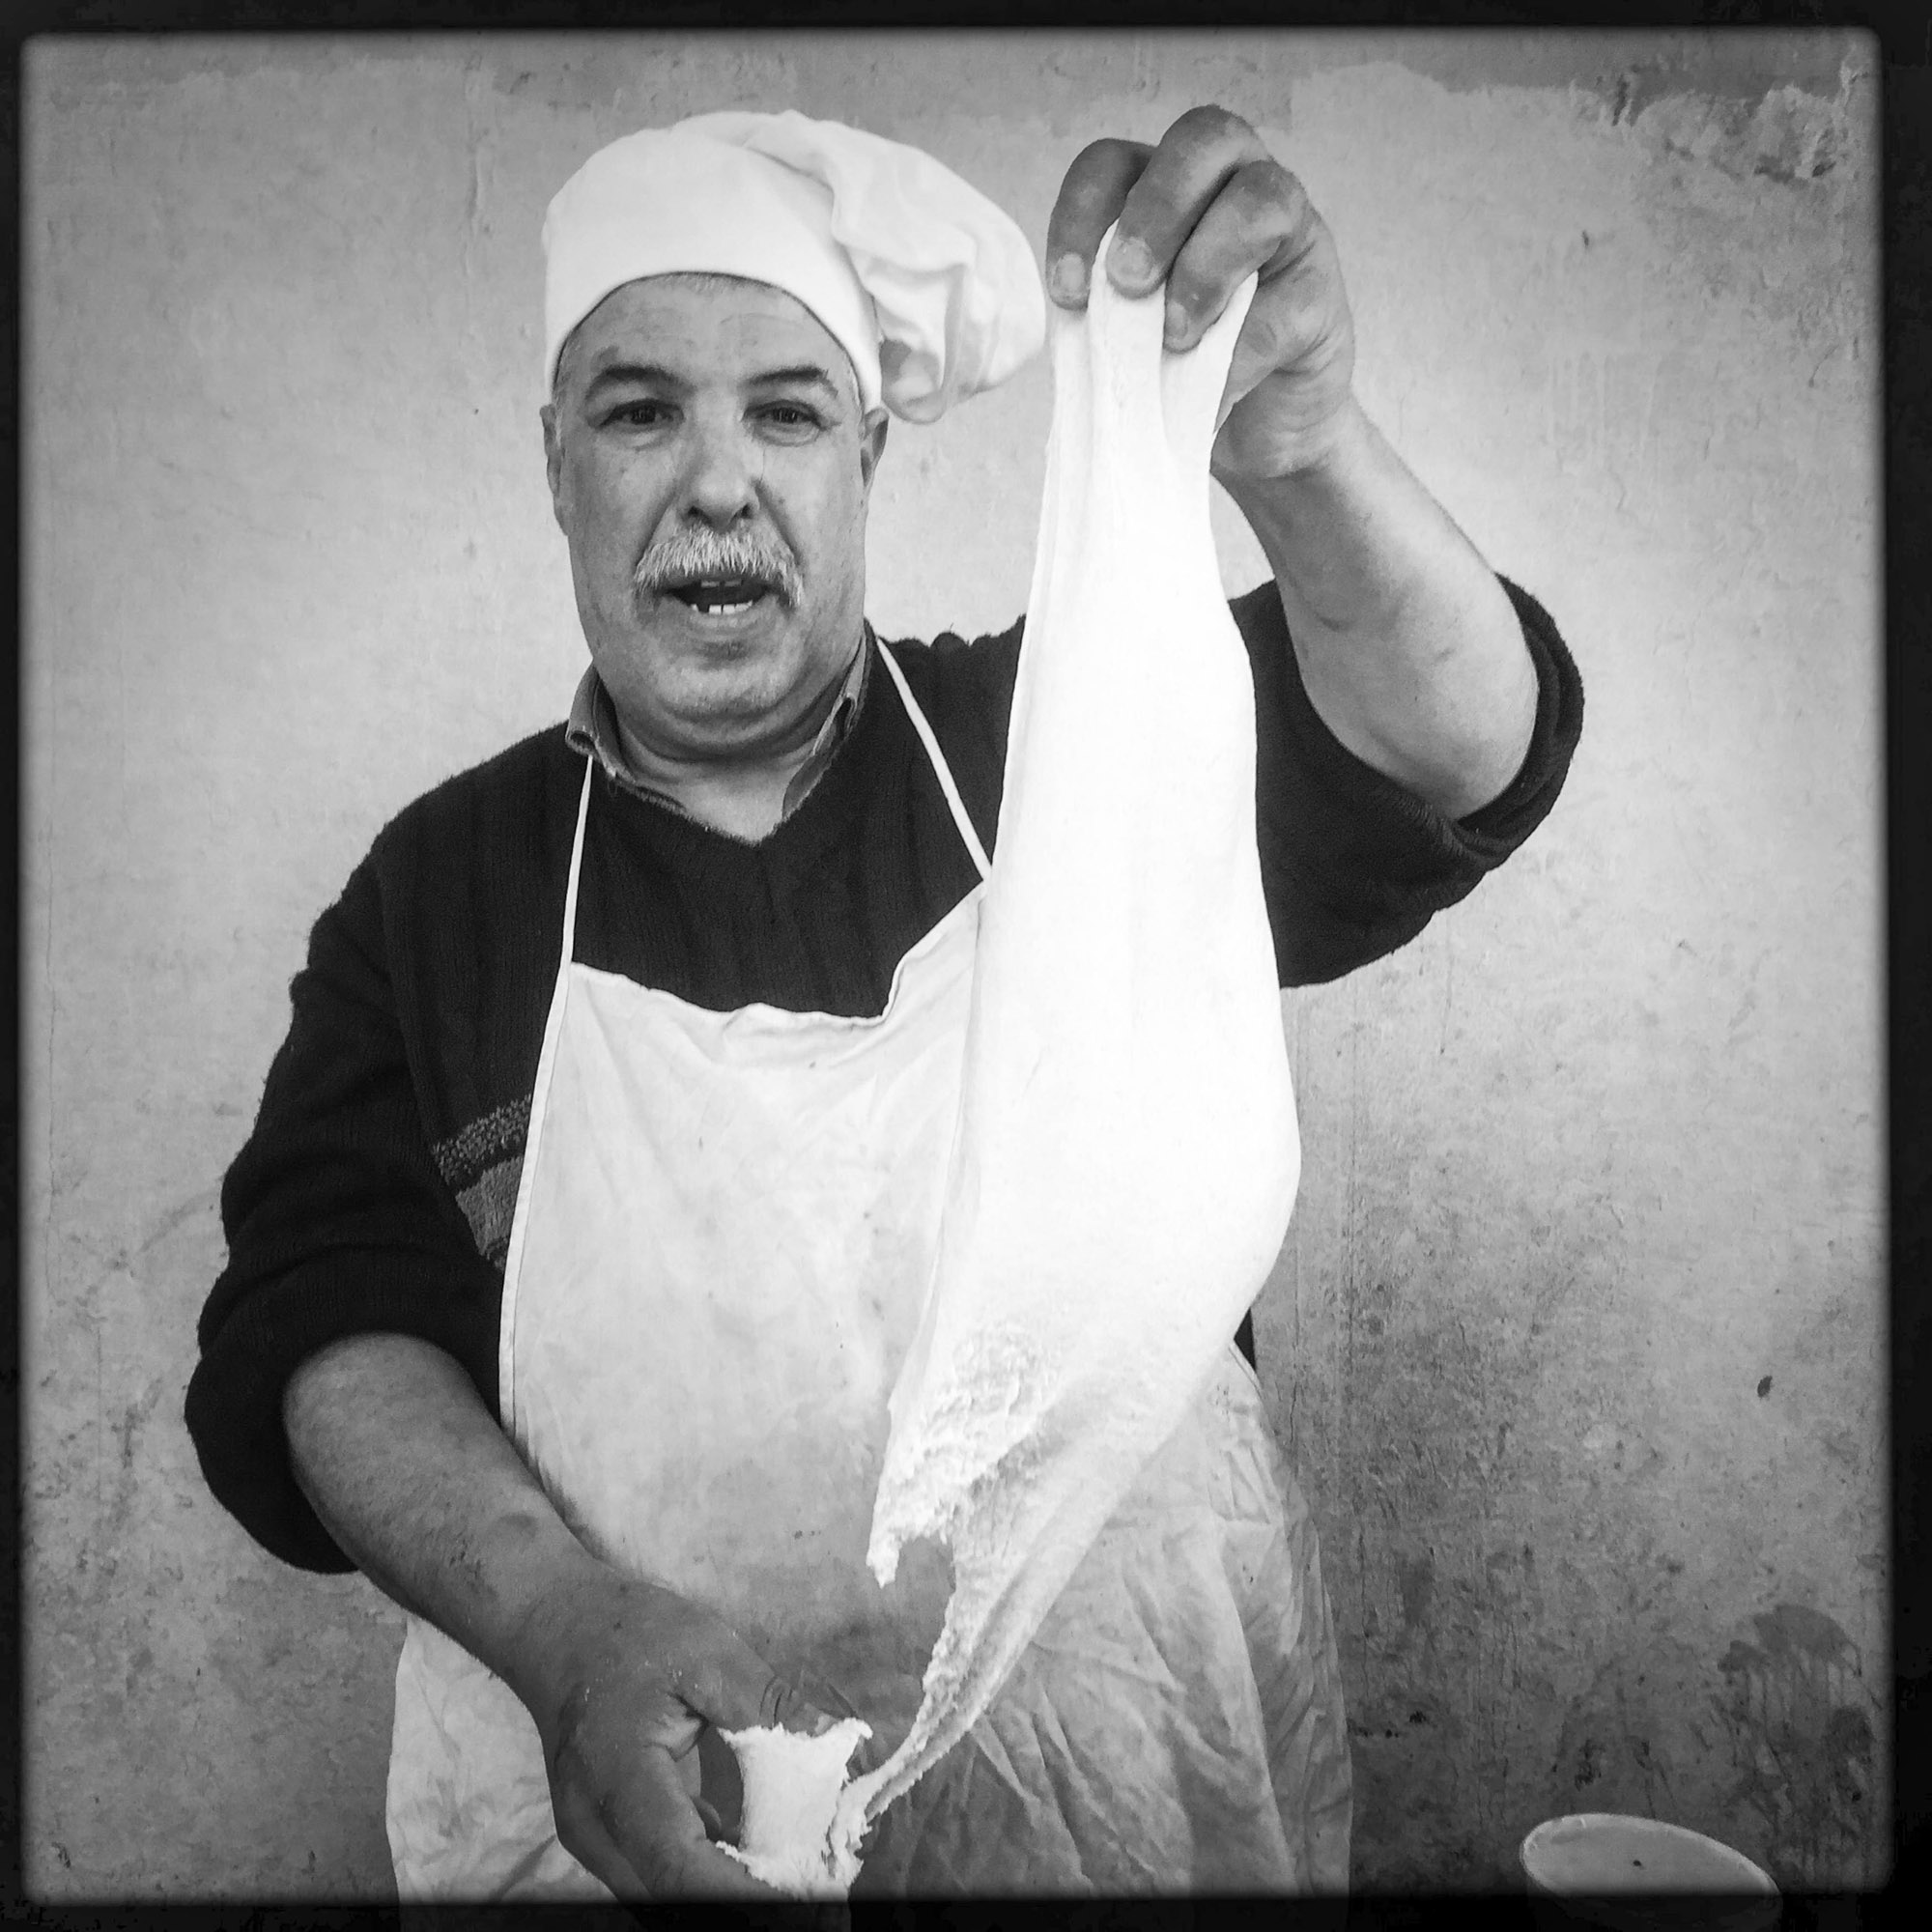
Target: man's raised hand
{"x": 1202, "y": 212}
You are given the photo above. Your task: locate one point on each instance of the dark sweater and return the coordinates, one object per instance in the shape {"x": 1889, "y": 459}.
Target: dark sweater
{"x": 376, "y": 1190}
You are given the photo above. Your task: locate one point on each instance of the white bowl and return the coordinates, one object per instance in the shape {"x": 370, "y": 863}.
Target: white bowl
{"x": 1595, "y": 1854}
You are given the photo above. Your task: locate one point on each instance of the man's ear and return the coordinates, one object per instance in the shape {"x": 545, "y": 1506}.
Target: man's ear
{"x": 873, "y": 444}
{"x": 553, "y": 438}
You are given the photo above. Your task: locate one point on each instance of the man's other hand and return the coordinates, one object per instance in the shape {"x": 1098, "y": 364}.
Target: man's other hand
{"x": 1202, "y": 212}
{"x": 622, "y": 1678}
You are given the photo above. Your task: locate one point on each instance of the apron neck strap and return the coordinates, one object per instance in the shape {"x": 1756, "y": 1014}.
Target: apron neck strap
{"x": 941, "y": 770}
{"x": 575, "y": 867}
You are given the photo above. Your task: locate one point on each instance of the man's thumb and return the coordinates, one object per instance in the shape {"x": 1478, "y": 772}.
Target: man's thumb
{"x": 784, "y": 1705}
{"x": 738, "y": 1691}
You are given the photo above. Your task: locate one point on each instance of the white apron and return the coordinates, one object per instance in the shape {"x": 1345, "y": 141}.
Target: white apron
{"x": 724, "y": 1227}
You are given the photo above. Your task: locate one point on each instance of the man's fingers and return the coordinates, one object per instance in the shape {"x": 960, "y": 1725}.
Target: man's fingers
{"x": 659, "y": 1832}
{"x": 584, "y": 1837}
{"x": 1090, "y": 196}
{"x": 1261, "y": 221}
{"x": 1197, "y": 158}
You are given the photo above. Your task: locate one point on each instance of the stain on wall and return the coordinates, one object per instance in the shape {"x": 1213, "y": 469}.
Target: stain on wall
{"x": 1575, "y": 1337}
{"x": 1798, "y": 1713}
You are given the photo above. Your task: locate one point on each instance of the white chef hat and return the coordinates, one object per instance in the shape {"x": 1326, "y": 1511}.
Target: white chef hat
{"x": 929, "y": 287}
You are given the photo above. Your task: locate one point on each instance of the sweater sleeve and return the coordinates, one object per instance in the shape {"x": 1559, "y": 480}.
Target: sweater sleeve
{"x": 1353, "y": 864}
{"x": 337, "y": 1223}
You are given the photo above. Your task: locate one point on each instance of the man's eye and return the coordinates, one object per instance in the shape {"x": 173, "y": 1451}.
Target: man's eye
{"x": 790, "y": 416}
{"x": 639, "y": 415}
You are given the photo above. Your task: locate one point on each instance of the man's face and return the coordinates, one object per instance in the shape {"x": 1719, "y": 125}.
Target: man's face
{"x": 710, "y": 466}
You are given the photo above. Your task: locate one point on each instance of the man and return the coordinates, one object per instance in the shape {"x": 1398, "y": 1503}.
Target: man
{"x": 654, "y": 1014}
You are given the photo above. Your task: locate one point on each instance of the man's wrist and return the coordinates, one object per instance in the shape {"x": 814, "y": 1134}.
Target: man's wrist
{"x": 1340, "y": 530}
{"x": 1304, "y": 460}
{"x": 554, "y": 1592}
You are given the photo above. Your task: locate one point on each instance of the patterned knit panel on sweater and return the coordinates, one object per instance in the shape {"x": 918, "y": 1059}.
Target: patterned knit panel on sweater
{"x": 483, "y": 1164}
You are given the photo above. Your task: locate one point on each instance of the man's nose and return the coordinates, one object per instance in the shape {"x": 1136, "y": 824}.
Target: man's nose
{"x": 720, "y": 478}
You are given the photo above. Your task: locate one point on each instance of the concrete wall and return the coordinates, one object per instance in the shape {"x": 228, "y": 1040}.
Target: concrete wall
{"x": 1576, "y": 1336}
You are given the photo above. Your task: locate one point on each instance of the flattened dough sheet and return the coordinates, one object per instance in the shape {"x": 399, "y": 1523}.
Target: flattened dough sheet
{"x": 1127, "y": 1155}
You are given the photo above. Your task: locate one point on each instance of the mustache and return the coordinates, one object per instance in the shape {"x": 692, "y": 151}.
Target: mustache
{"x": 691, "y": 556}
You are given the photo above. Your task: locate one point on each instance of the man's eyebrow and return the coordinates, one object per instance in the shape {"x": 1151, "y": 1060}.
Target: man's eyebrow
{"x": 647, "y": 373}
{"x": 650, "y": 375}
{"x": 808, "y": 373}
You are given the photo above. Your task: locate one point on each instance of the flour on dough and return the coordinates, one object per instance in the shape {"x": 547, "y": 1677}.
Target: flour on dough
{"x": 1126, "y": 1157}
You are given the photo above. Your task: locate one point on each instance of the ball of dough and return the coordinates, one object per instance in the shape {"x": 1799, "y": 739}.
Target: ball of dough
{"x": 793, "y": 1783}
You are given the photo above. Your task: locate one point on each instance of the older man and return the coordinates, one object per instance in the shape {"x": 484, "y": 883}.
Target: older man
{"x": 623, "y": 1491}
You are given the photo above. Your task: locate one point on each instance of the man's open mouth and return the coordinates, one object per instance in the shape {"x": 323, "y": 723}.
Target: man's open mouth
{"x": 719, "y": 596}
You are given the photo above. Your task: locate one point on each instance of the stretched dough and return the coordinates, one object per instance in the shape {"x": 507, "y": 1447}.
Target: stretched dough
{"x": 1126, "y": 1156}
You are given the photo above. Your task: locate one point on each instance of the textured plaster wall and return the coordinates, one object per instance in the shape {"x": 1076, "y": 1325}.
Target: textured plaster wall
{"x": 1577, "y": 1335}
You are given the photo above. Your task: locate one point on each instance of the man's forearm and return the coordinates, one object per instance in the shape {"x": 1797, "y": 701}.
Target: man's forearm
{"x": 411, "y": 1474}
{"x": 1407, "y": 643}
